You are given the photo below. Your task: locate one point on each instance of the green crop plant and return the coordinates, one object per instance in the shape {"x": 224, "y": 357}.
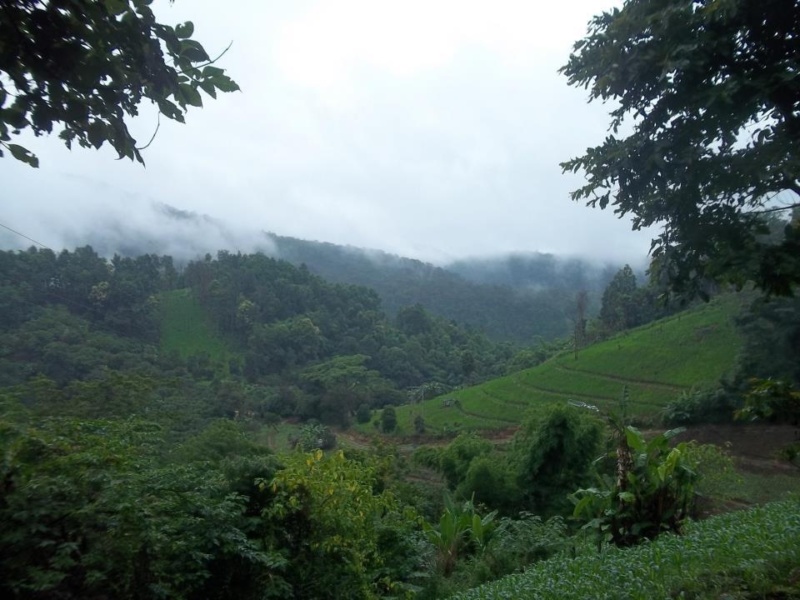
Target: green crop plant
{"x": 461, "y": 530}
{"x": 743, "y": 554}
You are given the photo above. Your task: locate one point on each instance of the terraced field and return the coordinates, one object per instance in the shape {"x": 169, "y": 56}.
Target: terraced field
{"x": 656, "y": 363}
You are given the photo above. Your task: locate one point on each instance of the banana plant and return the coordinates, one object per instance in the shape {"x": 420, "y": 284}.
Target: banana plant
{"x": 460, "y": 530}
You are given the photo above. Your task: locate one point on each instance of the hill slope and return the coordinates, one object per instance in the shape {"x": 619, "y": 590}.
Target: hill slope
{"x": 517, "y": 309}
{"x": 655, "y": 362}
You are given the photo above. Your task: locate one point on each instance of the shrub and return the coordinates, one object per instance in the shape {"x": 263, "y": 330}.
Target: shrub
{"x": 700, "y": 406}
{"x": 489, "y": 481}
{"x": 426, "y": 456}
{"x": 419, "y": 424}
{"x": 363, "y": 413}
{"x": 553, "y": 454}
{"x": 388, "y": 419}
{"x": 316, "y": 436}
{"x": 457, "y": 457}
{"x": 653, "y": 491}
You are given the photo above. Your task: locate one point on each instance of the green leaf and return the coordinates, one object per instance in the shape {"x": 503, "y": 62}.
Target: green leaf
{"x": 626, "y": 496}
{"x": 191, "y": 95}
{"x": 225, "y": 84}
{"x": 24, "y": 155}
{"x": 668, "y": 435}
{"x": 634, "y": 438}
{"x": 193, "y": 51}
{"x": 170, "y": 110}
{"x": 211, "y": 71}
{"x": 15, "y": 115}
{"x": 96, "y": 133}
{"x": 208, "y": 88}
{"x": 115, "y": 7}
{"x": 185, "y": 30}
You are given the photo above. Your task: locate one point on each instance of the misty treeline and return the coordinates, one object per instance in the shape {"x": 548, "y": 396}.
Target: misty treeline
{"x": 74, "y": 322}
{"x": 517, "y": 298}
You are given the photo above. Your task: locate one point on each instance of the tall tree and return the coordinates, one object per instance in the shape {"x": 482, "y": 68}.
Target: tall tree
{"x": 581, "y": 303}
{"x": 88, "y": 64}
{"x": 708, "y": 93}
{"x": 620, "y": 301}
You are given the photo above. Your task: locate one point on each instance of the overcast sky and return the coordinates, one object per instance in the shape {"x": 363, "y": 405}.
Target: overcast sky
{"x": 431, "y": 129}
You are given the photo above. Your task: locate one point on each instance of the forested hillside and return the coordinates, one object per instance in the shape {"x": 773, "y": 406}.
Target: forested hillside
{"x": 538, "y": 302}
{"x": 257, "y": 334}
{"x": 139, "y": 402}
{"x": 517, "y": 298}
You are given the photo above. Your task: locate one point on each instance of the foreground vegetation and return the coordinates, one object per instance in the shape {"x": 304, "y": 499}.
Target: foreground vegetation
{"x": 751, "y": 554}
{"x": 172, "y": 433}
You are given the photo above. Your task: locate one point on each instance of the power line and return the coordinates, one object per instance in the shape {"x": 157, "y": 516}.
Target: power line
{"x": 30, "y": 239}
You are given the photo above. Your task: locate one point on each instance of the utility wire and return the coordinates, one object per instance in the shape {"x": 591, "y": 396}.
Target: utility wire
{"x": 30, "y": 239}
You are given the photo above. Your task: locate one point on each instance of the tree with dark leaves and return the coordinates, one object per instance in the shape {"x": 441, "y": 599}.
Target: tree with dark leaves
{"x": 707, "y": 95}
{"x": 85, "y": 66}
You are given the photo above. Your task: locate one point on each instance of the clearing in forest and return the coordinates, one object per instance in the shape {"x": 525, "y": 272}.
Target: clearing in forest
{"x": 187, "y": 329}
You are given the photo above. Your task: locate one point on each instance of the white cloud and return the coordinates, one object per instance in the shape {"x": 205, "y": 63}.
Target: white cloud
{"x": 432, "y": 129}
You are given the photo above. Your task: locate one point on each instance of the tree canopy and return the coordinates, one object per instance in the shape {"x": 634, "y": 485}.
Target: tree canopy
{"x": 703, "y": 135}
{"x": 86, "y": 65}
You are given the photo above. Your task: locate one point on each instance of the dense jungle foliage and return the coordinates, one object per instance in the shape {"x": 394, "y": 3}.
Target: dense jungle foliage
{"x": 75, "y": 323}
{"x": 135, "y": 400}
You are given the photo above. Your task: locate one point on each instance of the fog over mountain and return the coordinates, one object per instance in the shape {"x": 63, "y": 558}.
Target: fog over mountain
{"x": 185, "y": 235}
{"x": 427, "y": 130}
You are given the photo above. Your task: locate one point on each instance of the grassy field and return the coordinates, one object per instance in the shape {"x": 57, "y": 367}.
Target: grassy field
{"x": 655, "y": 362}
{"x": 187, "y": 330}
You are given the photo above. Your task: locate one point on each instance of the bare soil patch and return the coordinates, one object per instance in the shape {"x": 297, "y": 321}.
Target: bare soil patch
{"x": 754, "y": 447}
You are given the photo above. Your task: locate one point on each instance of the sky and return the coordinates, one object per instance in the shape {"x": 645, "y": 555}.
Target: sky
{"x": 430, "y": 129}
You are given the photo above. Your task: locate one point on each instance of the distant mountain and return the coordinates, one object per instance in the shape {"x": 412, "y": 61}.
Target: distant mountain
{"x": 518, "y": 298}
{"x": 503, "y": 297}
{"x": 165, "y": 230}
{"x": 535, "y": 271}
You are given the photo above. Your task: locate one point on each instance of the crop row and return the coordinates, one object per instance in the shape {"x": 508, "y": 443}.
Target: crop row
{"x": 750, "y": 550}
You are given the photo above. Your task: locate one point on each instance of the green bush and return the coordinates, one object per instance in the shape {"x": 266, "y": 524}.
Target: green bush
{"x": 314, "y": 435}
{"x": 527, "y": 539}
{"x": 419, "y": 424}
{"x": 388, "y": 419}
{"x": 426, "y": 456}
{"x": 490, "y": 481}
{"x": 363, "y": 413}
{"x": 87, "y": 511}
{"x": 700, "y": 406}
{"x": 456, "y": 458}
{"x": 553, "y": 454}
{"x": 653, "y": 491}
